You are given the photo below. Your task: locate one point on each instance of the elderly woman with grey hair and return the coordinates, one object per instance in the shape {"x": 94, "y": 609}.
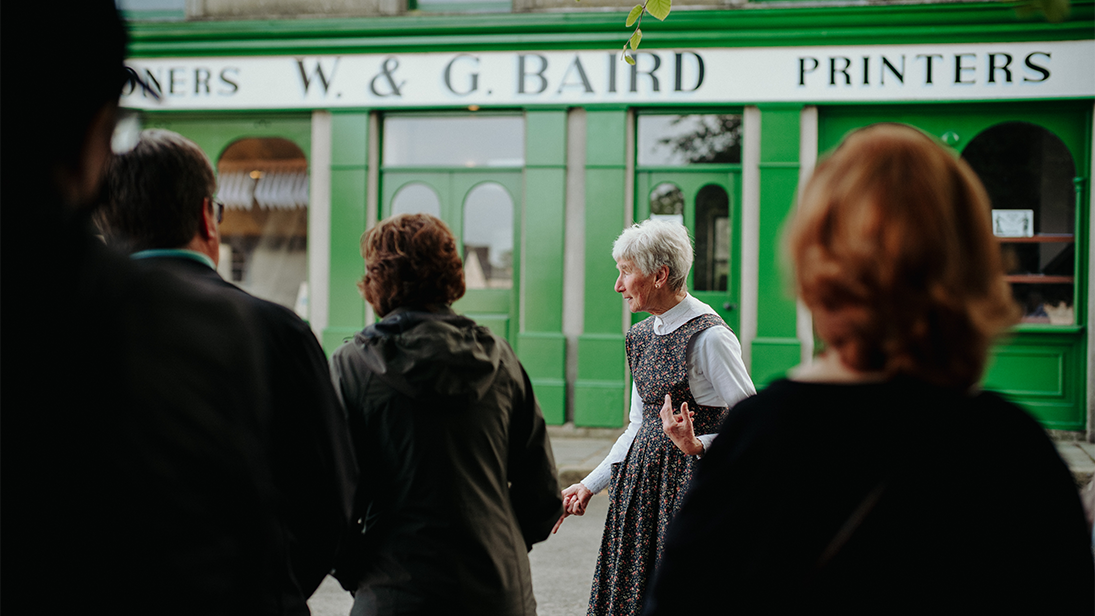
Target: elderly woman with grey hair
{"x": 687, "y": 371}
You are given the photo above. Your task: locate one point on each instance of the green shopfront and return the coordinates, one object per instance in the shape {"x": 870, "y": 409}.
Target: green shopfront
{"x": 530, "y": 137}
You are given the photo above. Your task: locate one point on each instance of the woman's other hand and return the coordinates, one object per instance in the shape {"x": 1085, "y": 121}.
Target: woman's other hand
{"x": 678, "y": 427}
{"x": 575, "y": 499}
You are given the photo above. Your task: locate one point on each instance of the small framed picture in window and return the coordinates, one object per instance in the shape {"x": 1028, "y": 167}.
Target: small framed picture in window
{"x": 1013, "y": 223}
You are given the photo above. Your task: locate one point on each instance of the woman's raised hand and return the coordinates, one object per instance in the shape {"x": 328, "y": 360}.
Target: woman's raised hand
{"x": 575, "y": 499}
{"x": 678, "y": 427}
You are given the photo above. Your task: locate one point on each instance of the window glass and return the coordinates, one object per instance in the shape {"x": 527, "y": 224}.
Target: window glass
{"x": 416, "y": 198}
{"x": 488, "y": 237}
{"x": 152, "y": 10}
{"x": 712, "y": 266}
{"x": 1028, "y": 174}
{"x": 454, "y": 141}
{"x": 461, "y": 6}
{"x": 263, "y": 184}
{"x": 667, "y": 201}
{"x": 679, "y": 140}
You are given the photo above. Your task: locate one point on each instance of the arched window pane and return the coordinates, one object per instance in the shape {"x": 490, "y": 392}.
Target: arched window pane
{"x": 667, "y": 201}
{"x": 488, "y": 238}
{"x": 712, "y": 239}
{"x": 416, "y": 198}
{"x": 1028, "y": 174}
{"x": 263, "y": 183}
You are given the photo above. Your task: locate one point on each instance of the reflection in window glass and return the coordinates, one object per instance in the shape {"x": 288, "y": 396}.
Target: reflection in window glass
{"x": 712, "y": 239}
{"x": 454, "y": 141}
{"x": 1025, "y": 167}
{"x": 463, "y": 6}
{"x": 488, "y": 238}
{"x": 263, "y": 184}
{"x": 667, "y": 201}
{"x": 416, "y": 198}
{"x": 678, "y": 140}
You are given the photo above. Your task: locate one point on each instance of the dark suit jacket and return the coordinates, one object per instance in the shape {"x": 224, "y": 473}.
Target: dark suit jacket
{"x": 135, "y": 475}
{"x": 312, "y": 460}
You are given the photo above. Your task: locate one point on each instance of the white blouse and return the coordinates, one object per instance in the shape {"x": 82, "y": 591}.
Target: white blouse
{"x": 716, "y": 375}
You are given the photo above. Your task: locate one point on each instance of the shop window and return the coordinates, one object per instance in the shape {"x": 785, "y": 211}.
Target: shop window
{"x": 1028, "y": 173}
{"x": 667, "y": 201}
{"x": 488, "y": 237}
{"x": 152, "y": 10}
{"x": 264, "y": 234}
{"x": 712, "y": 266}
{"x": 467, "y": 141}
{"x": 416, "y": 198}
{"x": 460, "y": 6}
{"x": 680, "y": 140}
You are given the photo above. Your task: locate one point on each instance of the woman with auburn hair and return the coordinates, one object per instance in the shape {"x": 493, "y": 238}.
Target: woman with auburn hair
{"x": 878, "y": 478}
{"x": 458, "y": 478}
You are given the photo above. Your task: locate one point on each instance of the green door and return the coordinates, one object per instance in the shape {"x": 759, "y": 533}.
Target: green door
{"x": 483, "y": 209}
{"x": 1032, "y": 158}
{"x": 705, "y": 201}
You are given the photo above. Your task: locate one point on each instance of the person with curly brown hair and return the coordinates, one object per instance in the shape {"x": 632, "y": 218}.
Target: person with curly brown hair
{"x": 879, "y": 478}
{"x": 458, "y": 479}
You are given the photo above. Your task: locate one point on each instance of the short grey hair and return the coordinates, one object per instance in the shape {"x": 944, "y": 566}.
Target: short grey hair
{"x": 653, "y": 243}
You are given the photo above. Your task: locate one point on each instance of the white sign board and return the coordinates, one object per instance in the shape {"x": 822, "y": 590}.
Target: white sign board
{"x": 980, "y": 71}
{"x": 1013, "y": 223}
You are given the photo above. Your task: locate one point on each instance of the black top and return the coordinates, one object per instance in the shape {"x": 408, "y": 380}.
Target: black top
{"x": 458, "y": 479}
{"x": 886, "y": 497}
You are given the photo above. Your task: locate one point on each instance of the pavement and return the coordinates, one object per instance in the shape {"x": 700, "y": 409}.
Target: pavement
{"x": 562, "y": 566}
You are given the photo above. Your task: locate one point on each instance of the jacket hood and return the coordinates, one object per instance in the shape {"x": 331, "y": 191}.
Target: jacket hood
{"x": 418, "y": 352}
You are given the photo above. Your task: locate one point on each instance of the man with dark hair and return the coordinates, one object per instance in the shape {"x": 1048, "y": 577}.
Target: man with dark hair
{"x": 159, "y": 206}
{"x": 135, "y": 459}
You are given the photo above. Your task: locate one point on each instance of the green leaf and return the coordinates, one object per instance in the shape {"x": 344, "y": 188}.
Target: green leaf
{"x": 633, "y": 15}
{"x": 629, "y": 59}
{"x": 635, "y": 38}
{"x": 659, "y": 8}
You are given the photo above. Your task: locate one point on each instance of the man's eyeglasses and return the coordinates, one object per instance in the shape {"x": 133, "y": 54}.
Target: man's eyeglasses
{"x": 218, "y": 208}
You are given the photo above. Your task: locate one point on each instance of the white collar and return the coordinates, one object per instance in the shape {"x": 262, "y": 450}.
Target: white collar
{"x": 686, "y": 310}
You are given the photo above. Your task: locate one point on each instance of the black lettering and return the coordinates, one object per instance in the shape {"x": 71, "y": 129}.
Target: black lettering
{"x": 802, "y": 70}
{"x": 152, "y": 85}
{"x": 1041, "y": 69}
{"x": 866, "y": 70}
{"x": 474, "y": 77}
{"x": 993, "y": 68}
{"x": 680, "y": 71}
{"x": 896, "y": 73}
{"x": 577, "y": 64}
{"x": 523, "y": 75}
{"x": 228, "y": 82}
{"x": 653, "y": 77}
{"x": 959, "y": 68}
{"x": 172, "y": 81}
{"x": 201, "y": 78}
{"x": 307, "y": 79}
{"x": 833, "y": 70}
{"x": 930, "y": 57}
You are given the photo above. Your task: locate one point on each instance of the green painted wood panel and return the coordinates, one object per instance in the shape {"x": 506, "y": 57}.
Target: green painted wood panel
{"x": 541, "y": 341}
{"x": 600, "y": 389}
{"x": 215, "y": 131}
{"x": 776, "y": 348}
{"x": 346, "y": 308}
{"x": 1044, "y": 372}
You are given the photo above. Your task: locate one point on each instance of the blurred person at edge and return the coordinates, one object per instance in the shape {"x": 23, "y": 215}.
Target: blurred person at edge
{"x": 879, "y": 478}
{"x": 133, "y": 474}
{"x": 159, "y": 208}
{"x": 458, "y": 476}
{"x": 687, "y": 368}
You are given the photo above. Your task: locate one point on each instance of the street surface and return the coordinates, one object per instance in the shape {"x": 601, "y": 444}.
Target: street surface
{"x": 562, "y": 568}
